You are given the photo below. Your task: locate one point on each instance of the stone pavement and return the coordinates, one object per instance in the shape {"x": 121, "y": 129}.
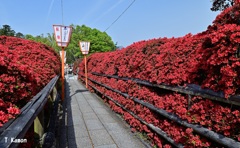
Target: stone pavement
{"x": 87, "y": 122}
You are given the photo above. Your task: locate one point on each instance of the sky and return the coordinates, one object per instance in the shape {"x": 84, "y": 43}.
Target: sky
{"x": 144, "y": 20}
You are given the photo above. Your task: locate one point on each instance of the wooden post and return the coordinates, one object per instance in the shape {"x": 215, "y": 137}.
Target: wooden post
{"x": 63, "y": 90}
{"x": 189, "y": 101}
{"x": 85, "y": 59}
{"x": 39, "y": 125}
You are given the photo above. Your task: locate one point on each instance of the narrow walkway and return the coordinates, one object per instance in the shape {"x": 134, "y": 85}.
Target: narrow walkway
{"x": 87, "y": 122}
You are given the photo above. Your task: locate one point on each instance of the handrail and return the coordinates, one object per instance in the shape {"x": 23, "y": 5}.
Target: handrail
{"x": 191, "y": 89}
{"x": 18, "y": 127}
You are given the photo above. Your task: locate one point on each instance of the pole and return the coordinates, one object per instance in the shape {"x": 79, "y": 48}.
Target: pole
{"x": 63, "y": 93}
{"x": 85, "y": 59}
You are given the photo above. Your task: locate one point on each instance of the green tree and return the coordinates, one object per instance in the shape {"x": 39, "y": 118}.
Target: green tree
{"x": 52, "y": 41}
{"x": 19, "y": 35}
{"x": 29, "y": 37}
{"x": 99, "y": 41}
{"x": 219, "y": 5}
{"x": 6, "y": 30}
{"x": 48, "y": 40}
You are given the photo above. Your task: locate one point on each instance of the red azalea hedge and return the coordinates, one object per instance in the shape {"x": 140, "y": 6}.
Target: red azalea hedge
{"x": 25, "y": 68}
{"x": 210, "y": 59}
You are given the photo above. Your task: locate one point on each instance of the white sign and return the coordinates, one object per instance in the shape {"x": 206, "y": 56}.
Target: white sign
{"x": 84, "y": 47}
{"x": 62, "y": 35}
{"x": 63, "y": 55}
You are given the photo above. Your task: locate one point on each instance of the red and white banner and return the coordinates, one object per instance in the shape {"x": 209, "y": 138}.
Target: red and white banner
{"x": 63, "y": 55}
{"x": 62, "y": 35}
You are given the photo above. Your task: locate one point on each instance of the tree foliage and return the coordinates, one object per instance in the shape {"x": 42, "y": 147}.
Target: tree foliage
{"x": 19, "y": 35}
{"x": 99, "y": 41}
{"x": 8, "y": 31}
{"x": 47, "y": 40}
{"x": 220, "y": 5}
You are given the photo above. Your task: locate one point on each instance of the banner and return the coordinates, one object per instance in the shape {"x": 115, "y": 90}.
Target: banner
{"x": 63, "y": 55}
{"x": 84, "y": 47}
{"x": 62, "y": 35}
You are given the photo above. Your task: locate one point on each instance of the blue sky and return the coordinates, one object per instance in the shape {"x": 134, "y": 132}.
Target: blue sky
{"x": 145, "y": 19}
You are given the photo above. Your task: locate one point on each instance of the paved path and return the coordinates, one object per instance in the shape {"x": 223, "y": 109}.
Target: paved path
{"x": 87, "y": 122}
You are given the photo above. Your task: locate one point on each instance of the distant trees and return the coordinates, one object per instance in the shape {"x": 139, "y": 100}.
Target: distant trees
{"x": 19, "y": 35}
{"x": 7, "y": 30}
{"x": 219, "y": 5}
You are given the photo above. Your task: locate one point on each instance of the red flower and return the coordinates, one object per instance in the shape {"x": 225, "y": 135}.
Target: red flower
{"x": 13, "y": 110}
{"x": 189, "y": 131}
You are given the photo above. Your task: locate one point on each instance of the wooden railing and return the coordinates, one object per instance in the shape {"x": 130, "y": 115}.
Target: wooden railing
{"x": 190, "y": 89}
{"x": 13, "y": 132}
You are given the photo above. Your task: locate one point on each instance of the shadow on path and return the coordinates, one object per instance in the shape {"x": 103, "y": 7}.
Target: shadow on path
{"x": 66, "y": 119}
{"x": 78, "y": 91}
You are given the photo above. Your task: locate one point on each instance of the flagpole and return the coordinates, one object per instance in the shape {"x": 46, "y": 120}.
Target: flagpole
{"x": 62, "y": 40}
{"x": 63, "y": 70}
{"x": 85, "y": 59}
{"x": 84, "y": 48}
